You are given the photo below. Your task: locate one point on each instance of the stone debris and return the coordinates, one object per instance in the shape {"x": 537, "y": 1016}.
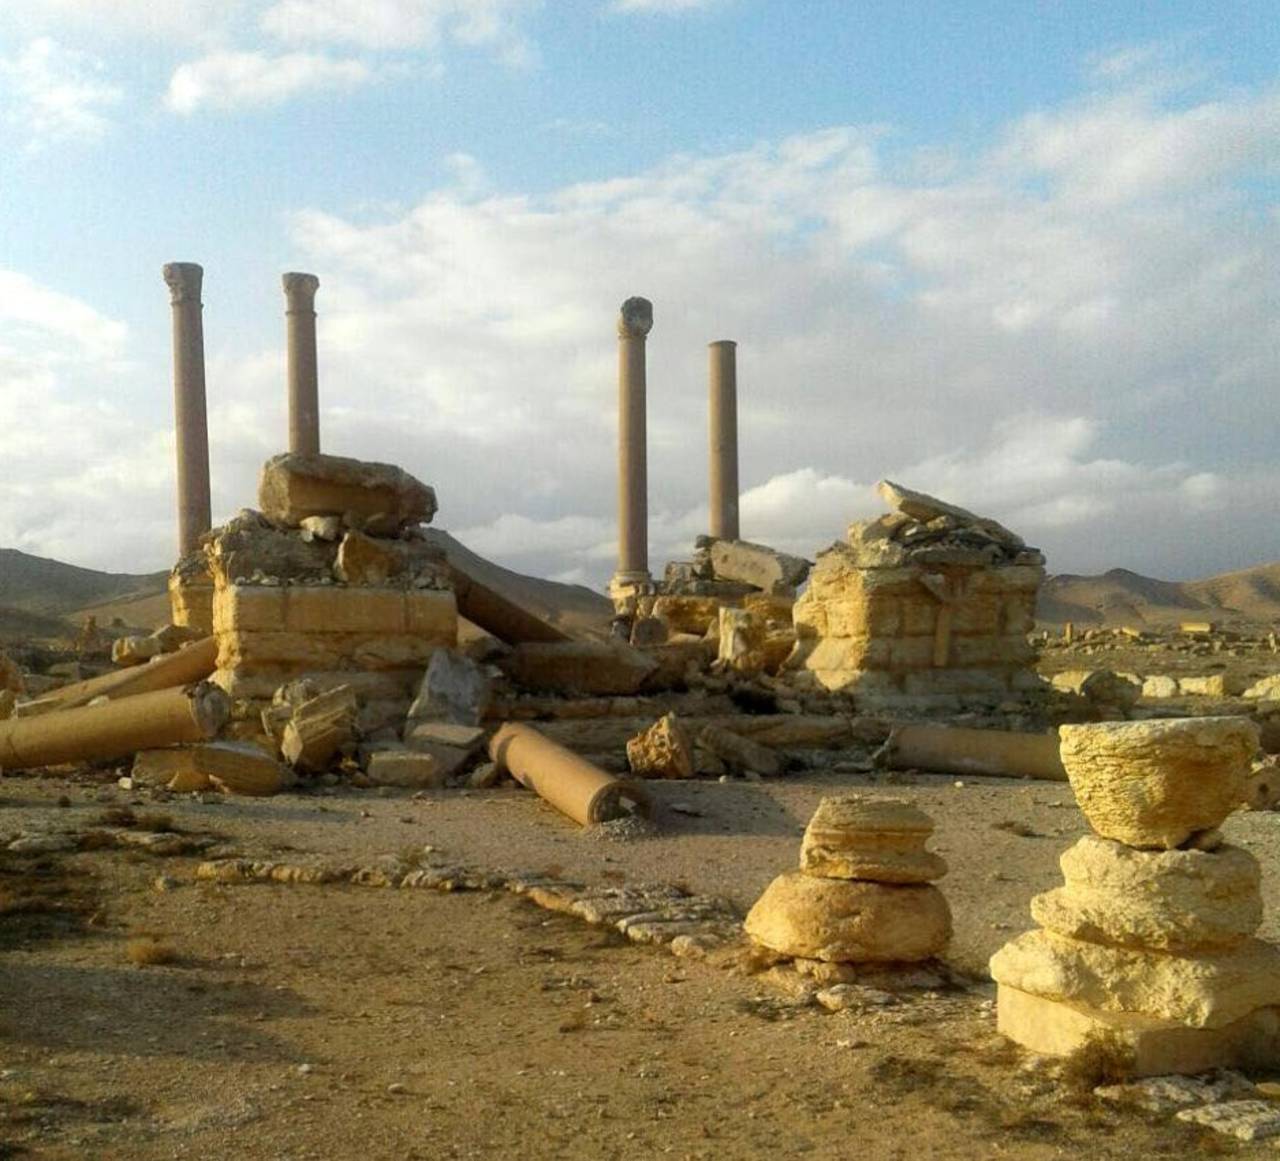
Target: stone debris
{"x": 1156, "y": 783}
{"x": 742, "y": 643}
{"x": 414, "y": 769}
{"x": 1159, "y": 687}
{"x": 319, "y": 728}
{"x": 664, "y": 750}
{"x": 1168, "y": 1094}
{"x": 380, "y": 499}
{"x": 739, "y": 754}
{"x": 1249, "y": 1120}
{"x": 938, "y": 609}
{"x": 579, "y": 667}
{"x": 1150, "y": 941}
{"x": 844, "y": 914}
{"x": 454, "y": 689}
{"x": 1265, "y": 689}
{"x": 137, "y": 650}
{"x": 233, "y": 767}
{"x": 756, "y": 565}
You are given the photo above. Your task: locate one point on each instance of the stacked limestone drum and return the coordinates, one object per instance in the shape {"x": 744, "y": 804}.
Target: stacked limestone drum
{"x": 864, "y": 892}
{"x": 1150, "y": 943}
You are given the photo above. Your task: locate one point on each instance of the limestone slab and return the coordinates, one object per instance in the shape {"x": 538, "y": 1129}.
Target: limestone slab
{"x": 374, "y": 497}
{"x": 1163, "y": 900}
{"x": 1156, "y": 783}
{"x": 1206, "y": 990}
{"x": 880, "y": 840}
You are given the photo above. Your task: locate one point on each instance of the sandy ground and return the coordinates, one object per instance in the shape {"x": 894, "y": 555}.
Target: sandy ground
{"x": 335, "y": 1022}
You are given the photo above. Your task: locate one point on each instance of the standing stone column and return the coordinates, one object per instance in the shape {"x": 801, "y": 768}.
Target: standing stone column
{"x": 634, "y": 323}
{"x": 723, "y": 370}
{"x": 190, "y": 416}
{"x": 304, "y": 392}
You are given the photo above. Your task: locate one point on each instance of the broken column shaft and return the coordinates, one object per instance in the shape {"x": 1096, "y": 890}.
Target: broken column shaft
{"x": 190, "y": 415}
{"x": 634, "y": 323}
{"x": 723, "y": 423}
{"x": 304, "y": 392}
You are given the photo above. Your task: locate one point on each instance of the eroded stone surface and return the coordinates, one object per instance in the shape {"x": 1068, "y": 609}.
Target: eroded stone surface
{"x": 841, "y": 920}
{"x": 877, "y": 839}
{"x": 1201, "y": 991}
{"x": 1156, "y": 783}
{"x": 664, "y": 750}
{"x": 1163, "y": 900}
{"x": 376, "y": 498}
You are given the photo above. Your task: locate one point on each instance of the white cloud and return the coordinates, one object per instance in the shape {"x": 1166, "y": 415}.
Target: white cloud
{"x": 1098, "y": 373}
{"x": 237, "y": 80}
{"x": 402, "y": 24}
{"x": 53, "y": 93}
{"x": 108, "y": 20}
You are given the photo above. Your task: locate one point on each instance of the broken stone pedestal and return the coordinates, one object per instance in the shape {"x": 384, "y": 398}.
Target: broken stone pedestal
{"x": 864, "y": 891}
{"x": 1150, "y": 941}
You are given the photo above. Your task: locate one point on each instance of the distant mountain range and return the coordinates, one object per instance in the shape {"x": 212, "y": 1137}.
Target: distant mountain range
{"x": 42, "y": 598}
{"x": 1121, "y": 597}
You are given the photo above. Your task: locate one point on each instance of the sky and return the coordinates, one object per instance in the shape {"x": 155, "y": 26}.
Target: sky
{"x": 1021, "y": 254}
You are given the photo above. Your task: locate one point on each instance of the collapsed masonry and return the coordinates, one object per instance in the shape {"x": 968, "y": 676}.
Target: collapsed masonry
{"x": 929, "y": 603}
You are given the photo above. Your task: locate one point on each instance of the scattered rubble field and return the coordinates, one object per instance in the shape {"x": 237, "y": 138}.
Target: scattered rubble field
{"x": 147, "y": 1015}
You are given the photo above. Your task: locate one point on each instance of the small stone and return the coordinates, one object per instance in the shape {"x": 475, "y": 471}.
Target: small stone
{"x": 1251, "y": 1120}
{"x": 664, "y": 750}
{"x": 397, "y": 1089}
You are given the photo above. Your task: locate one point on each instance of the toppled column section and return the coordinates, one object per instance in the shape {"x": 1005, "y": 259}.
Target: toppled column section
{"x": 114, "y": 729}
{"x": 864, "y": 890}
{"x": 1150, "y": 942}
{"x": 927, "y": 602}
{"x": 571, "y": 784}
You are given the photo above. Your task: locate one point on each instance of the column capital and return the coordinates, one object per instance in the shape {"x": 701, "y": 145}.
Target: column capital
{"x": 300, "y": 290}
{"x": 184, "y": 280}
{"x": 635, "y": 319}
{"x": 723, "y": 343}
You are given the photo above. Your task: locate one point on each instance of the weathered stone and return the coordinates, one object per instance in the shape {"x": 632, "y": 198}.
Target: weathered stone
{"x": 842, "y": 920}
{"x": 1159, "y": 687}
{"x": 1156, "y": 783}
{"x": 406, "y": 768}
{"x": 1207, "y": 990}
{"x": 742, "y": 641}
{"x": 686, "y": 614}
{"x": 649, "y": 631}
{"x": 454, "y": 689}
{"x": 1246, "y": 1120}
{"x": 1104, "y": 688}
{"x": 1178, "y": 901}
{"x": 1267, "y": 688}
{"x": 234, "y": 767}
{"x": 664, "y": 750}
{"x": 377, "y": 498}
{"x": 584, "y": 667}
{"x": 319, "y": 728}
{"x": 127, "y": 651}
{"x": 925, "y": 508}
{"x": 466, "y": 738}
{"x": 739, "y": 753}
{"x": 327, "y": 528}
{"x": 853, "y": 836}
{"x": 1147, "y": 1045}
{"x": 365, "y": 561}
{"x": 758, "y": 565}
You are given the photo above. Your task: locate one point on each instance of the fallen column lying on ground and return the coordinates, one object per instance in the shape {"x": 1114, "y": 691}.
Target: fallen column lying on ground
{"x": 957, "y": 750}
{"x": 571, "y": 784}
{"x": 194, "y": 663}
{"x": 114, "y": 729}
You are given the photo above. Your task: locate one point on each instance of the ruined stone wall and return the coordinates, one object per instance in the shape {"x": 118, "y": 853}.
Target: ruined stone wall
{"x": 929, "y": 601}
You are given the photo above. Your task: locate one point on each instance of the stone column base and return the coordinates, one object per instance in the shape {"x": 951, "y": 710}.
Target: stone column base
{"x": 626, "y": 589}
{"x": 1154, "y": 1046}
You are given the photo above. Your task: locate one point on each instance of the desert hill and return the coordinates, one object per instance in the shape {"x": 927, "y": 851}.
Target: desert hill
{"x": 42, "y": 598}
{"x": 1121, "y": 597}
{"x": 35, "y": 584}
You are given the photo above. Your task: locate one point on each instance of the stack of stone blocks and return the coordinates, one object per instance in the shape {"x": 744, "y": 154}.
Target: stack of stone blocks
{"x": 329, "y": 582}
{"x": 1150, "y": 945}
{"x": 928, "y": 602}
{"x": 864, "y": 892}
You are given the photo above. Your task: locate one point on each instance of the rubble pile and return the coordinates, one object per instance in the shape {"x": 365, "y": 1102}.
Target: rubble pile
{"x": 864, "y": 892}
{"x": 929, "y": 603}
{"x": 329, "y": 581}
{"x": 1150, "y": 942}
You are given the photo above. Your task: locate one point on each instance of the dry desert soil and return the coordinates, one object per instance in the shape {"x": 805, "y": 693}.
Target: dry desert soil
{"x": 144, "y": 1014}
